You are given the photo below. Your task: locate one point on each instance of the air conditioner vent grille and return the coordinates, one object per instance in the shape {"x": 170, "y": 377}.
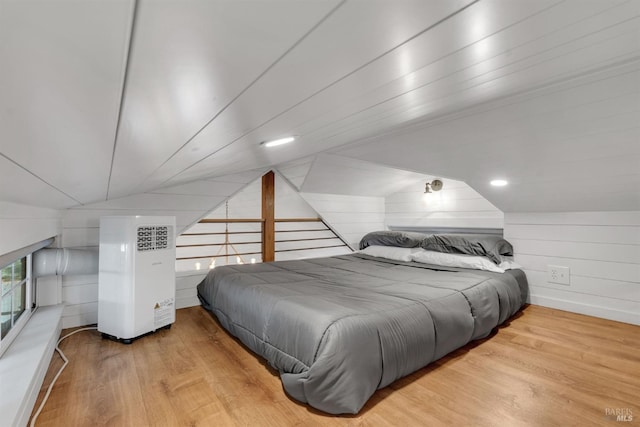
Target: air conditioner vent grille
{"x": 152, "y": 238}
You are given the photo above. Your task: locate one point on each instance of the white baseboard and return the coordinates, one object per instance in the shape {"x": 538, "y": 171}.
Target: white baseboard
{"x": 24, "y": 365}
{"x": 589, "y": 310}
{"x": 187, "y": 302}
{"x": 82, "y": 319}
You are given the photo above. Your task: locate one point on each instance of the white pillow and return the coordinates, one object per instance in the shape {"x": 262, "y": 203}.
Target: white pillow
{"x": 390, "y": 252}
{"x": 456, "y": 260}
{"x": 507, "y": 263}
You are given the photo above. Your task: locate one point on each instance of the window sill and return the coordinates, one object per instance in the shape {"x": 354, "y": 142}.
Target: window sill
{"x": 25, "y": 363}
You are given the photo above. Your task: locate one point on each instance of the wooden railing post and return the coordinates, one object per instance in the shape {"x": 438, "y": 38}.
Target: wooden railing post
{"x": 268, "y": 217}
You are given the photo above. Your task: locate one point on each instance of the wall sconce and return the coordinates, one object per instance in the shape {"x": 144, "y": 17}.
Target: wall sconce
{"x": 435, "y": 185}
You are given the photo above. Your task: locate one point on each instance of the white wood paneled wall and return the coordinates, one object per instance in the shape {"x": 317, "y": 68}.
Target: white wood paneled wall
{"x": 602, "y": 250}
{"x": 296, "y": 171}
{"x": 22, "y": 225}
{"x": 351, "y": 216}
{"x": 186, "y": 282}
{"x": 456, "y": 205}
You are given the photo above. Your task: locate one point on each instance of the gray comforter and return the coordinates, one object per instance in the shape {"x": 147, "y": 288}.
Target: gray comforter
{"x": 339, "y": 328}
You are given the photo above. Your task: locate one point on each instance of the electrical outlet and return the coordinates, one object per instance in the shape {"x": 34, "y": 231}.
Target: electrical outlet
{"x": 558, "y": 274}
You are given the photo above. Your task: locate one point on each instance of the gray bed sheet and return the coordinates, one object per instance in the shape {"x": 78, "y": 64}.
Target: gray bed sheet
{"x": 339, "y": 328}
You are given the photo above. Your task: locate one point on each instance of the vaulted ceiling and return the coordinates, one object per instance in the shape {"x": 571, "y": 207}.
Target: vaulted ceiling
{"x": 105, "y": 99}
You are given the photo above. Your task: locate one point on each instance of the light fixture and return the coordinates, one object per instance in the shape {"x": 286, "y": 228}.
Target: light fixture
{"x": 435, "y": 185}
{"x": 277, "y": 142}
{"x": 498, "y": 182}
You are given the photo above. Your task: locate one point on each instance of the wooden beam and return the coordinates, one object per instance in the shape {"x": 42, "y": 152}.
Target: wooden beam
{"x": 268, "y": 215}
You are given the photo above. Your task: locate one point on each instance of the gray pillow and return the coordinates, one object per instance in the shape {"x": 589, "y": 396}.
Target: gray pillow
{"x": 401, "y": 239}
{"x": 486, "y": 245}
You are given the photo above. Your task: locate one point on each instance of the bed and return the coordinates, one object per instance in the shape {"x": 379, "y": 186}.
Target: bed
{"x": 339, "y": 328}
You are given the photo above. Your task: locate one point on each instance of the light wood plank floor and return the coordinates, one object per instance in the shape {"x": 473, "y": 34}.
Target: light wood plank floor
{"x": 545, "y": 368}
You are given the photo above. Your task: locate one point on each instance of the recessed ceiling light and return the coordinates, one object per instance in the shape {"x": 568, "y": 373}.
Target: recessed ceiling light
{"x": 498, "y": 183}
{"x": 280, "y": 141}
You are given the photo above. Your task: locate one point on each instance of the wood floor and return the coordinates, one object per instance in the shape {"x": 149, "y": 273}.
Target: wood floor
{"x": 545, "y": 368}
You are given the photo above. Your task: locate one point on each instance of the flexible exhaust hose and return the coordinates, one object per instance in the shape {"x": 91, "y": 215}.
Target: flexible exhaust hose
{"x": 62, "y": 262}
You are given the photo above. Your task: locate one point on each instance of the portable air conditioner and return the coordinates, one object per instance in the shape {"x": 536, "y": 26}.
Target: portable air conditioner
{"x": 136, "y": 284}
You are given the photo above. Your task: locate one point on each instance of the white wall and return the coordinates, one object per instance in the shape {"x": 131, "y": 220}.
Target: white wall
{"x": 351, "y": 216}
{"x": 186, "y": 282}
{"x": 290, "y": 203}
{"x": 602, "y": 250}
{"x": 23, "y": 225}
{"x": 456, "y": 205}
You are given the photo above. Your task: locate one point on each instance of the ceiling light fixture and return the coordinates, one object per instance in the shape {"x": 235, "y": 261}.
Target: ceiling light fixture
{"x": 498, "y": 182}
{"x": 277, "y": 142}
{"x": 435, "y": 185}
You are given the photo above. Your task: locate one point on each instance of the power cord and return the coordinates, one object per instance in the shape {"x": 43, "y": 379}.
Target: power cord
{"x": 64, "y": 365}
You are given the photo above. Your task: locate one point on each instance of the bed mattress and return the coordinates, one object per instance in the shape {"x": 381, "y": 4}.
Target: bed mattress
{"x": 339, "y": 328}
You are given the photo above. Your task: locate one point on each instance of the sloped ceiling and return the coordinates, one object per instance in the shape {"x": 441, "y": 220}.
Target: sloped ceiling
{"x": 105, "y": 100}
{"x": 342, "y": 175}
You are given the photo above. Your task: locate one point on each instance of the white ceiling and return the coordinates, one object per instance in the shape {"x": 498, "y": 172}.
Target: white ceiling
{"x": 103, "y": 100}
{"x": 342, "y": 175}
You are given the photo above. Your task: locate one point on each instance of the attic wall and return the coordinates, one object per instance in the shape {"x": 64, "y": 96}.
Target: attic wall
{"x": 456, "y": 205}
{"x": 22, "y": 225}
{"x": 351, "y": 216}
{"x": 290, "y": 203}
{"x": 602, "y": 250}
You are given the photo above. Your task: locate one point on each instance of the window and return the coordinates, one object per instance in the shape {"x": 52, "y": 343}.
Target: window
{"x": 15, "y": 299}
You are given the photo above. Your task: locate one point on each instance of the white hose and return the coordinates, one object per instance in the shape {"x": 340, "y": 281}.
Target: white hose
{"x": 63, "y": 261}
